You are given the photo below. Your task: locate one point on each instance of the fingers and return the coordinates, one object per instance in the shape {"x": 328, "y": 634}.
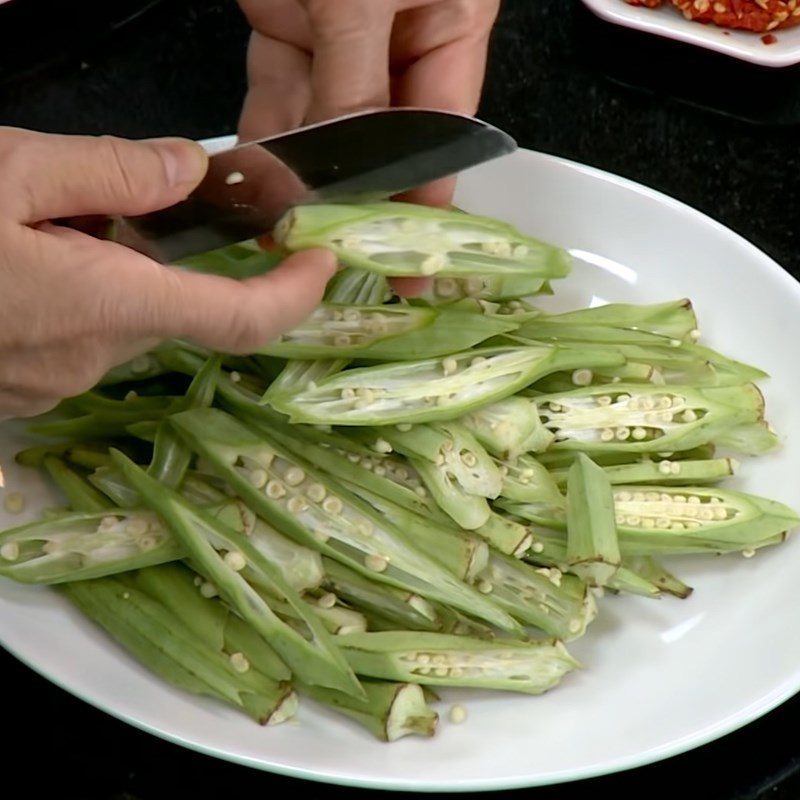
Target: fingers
{"x": 350, "y": 69}
{"x": 410, "y": 287}
{"x": 114, "y": 294}
{"x": 239, "y": 317}
{"x": 44, "y": 176}
{"x": 279, "y": 76}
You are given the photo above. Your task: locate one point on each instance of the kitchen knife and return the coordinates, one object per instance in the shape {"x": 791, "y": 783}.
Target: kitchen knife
{"x": 369, "y": 155}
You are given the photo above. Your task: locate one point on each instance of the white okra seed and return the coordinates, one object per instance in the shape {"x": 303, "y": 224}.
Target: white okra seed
{"x": 235, "y": 560}
{"x": 376, "y": 563}
{"x": 582, "y": 377}
{"x": 258, "y": 477}
{"x": 333, "y": 505}
{"x": 10, "y": 551}
{"x": 316, "y": 493}
{"x": 239, "y": 662}
{"x": 327, "y": 600}
{"x": 382, "y": 446}
{"x": 275, "y": 490}
{"x": 294, "y": 476}
{"x": 207, "y": 589}
{"x": 236, "y": 377}
{"x": 234, "y": 178}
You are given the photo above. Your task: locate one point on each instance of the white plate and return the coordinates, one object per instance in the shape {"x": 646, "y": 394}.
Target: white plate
{"x": 669, "y": 22}
{"x": 660, "y": 677}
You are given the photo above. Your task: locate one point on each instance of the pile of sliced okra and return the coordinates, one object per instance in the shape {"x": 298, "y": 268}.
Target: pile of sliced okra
{"x": 395, "y": 496}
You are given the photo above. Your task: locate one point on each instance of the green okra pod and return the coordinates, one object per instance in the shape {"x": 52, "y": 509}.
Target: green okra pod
{"x": 592, "y": 544}
{"x": 401, "y": 239}
{"x": 391, "y": 710}
{"x": 316, "y": 660}
{"x": 438, "y": 659}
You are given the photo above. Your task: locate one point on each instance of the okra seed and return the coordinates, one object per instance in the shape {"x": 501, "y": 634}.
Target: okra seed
{"x": 574, "y": 625}
{"x": 445, "y": 287}
{"x": 316, "y": 493}
{"x": 236, "y": 377}
{"x": 639, "y": 434}
{"x": 348, "y": 393}
{"x": 520, "y": 251}
{"x": 207, "y": 589}
{"x": 622, "y": 433}
{"x": 10, "y": 551}
{"x": 327, "y": 600}
{"x": 382, "y": 446}
{"x": 705, "y": 514}
{"x": 333, "y": 505}
{"x": 420, "y": 491}
{"x": 365, "y": 528}
{"x": 438, "y": 660}
{"x": 638, "y": 497}
{"x": 633, "y": 520}
{"x": 622, "y": 497}
{"x": 131, "y": 395}
{"x": 296, "y": 505}
{"x": 749, "y": 553}
{"x": 720, "y": 513}
{"x": 665, "y": 402}
{"x": 484, "y": 586}
{"x": 620, "y": 519}
{"x": 679, "y": 498}
{"x": 604, "y": 400}
{"x": 423, "y": 658}
{"x": 294, "y": 476}
{"x": 440, "y": 672}
{"x": 582, "y": 377}
{"x": 664, "y": 467}
{"x": 675, "y": 468}
{"x": 235, "y": 560}
{"x": 689, "y": 415}
{"x": 666, "y": 416}
{"x": 401, "y": 473}
{"x": 633, "y": 404}
{"x": 108, "y": 523}
{"x": 648, "y": 403}
{"x": 140, "y": 364}
{"x": 648, "y": 522}
{"x": 432, "y": 264}
{"x": 606, "y": 435}
{"x": 341, "y": 340}
{"x": 469, "y": 459}
{"x": 477, "y": 361}
{"x": 694, "y": 335}
{"x": 239, "y": 662}
{"x": 423, "y": 670}
{"x": 275, "y": 490}
{"x": 677, "y": 526}
{"x": 258, "y": 478}
{"x": 351, "y": 314}
{"x": 651, "y": 496}
{"x": 449, "y": 365}
{"x": 376, "y": 563}
{"x": 233, "y": 178}
{"x": 537, "y": 547}
{"x": 663, "y": 522}
{"x": 404, "y": 427}
{"x": 367, "y": 463}
{"x": 354, "y": 458}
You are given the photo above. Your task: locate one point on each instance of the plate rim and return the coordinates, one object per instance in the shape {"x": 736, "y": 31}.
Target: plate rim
{"x": 775, "y": 59}
{"x": 779, "y": 694}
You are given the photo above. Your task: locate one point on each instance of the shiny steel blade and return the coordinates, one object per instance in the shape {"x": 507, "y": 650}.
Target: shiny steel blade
{"x": 365, "y": 156}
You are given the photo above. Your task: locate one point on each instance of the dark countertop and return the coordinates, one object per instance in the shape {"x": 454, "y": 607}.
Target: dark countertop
{"x": 715, "y": 133}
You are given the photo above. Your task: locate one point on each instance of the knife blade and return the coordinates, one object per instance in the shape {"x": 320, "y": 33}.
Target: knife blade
{"x": 365, "y": 156}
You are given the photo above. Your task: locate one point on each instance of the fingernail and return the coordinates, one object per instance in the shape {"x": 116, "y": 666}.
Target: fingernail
{"x": 185, "y": 162}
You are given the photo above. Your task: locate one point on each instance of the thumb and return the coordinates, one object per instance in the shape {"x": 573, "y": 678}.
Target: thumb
{"x": 47, "y": 176}
{"x": 241, "y": 316}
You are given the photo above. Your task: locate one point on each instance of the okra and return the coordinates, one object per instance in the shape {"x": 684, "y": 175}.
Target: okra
{"x": 397, "y": 239}
{"x": 483, "y": 287}
{"x": 438, "y": 659}
{"x": 508, "y": 427}
{"x": 592, "y": 545}
{"x": 80, "y": 495}
{"x": 684, "y": 472}
{"x": 278, "y": 486}
{"x": 560, "y": 605}
{"x": 651, "y": 570}
{"x": 317, "y": 660}
{"x": 351, "y": 285}
{"x": 428, "y": 390}
{"x": 82, "y": 545}
{"x": 388, "y": 333}
{"x": 158, "y": 639}
{"x": 645, "y": 419}
{"x": 391, "y": 710}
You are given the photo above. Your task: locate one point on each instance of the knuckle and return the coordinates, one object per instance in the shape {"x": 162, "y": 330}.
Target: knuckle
{"x": 119, "y": 169}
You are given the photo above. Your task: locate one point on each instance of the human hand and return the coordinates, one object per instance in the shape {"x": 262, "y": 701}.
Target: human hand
{"x": 311, "y": 60}
{"x": 73, "y": 306}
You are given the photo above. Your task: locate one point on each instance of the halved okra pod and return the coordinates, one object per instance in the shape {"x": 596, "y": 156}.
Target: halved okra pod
{"x": 431, "y": 389}
{"x": 388, "y": 333}
{"x": 438, "y": 659}
{"x": 397, "y": 239}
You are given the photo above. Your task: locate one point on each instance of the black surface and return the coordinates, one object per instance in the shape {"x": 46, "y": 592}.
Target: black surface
{"x": 716, "y": 134}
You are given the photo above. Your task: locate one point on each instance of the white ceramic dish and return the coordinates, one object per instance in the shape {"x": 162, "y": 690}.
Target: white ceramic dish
{"x": 660, "y": 677}
{"x": 667, "y": 21}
